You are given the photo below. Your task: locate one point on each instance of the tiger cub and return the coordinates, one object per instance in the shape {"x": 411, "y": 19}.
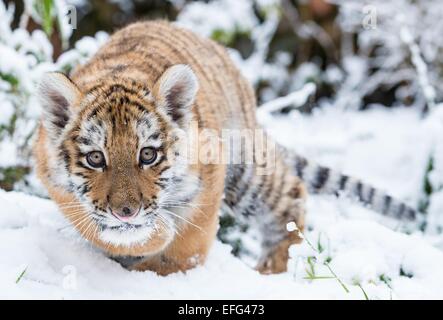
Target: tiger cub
{"x": 114, "y": 144}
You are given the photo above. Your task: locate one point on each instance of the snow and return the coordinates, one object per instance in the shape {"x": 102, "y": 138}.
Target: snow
{"x": 402, "y": 44}
{"x": 435, "y": 177}
{"x": 83, "y": 50}
{"x": 227, "y": 15}
{"x": 368, "y": 254}
{"x": 297, "y": 99}
{"x": 25, "y": 57}
{"x": 349, "y": 251}
{"x": 374, "y": 145}
{"x": 291, "y": 226}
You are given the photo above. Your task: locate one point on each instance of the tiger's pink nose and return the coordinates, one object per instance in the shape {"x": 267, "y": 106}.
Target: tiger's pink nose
{"x": 125, "y": 213}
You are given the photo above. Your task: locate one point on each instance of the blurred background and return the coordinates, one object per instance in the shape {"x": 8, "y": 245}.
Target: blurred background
{"x": 358, "y": 55}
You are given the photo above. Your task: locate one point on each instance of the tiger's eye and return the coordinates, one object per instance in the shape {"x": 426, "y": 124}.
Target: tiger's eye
{"x": 96, "y": 159}
{"x": 147, "y": 155}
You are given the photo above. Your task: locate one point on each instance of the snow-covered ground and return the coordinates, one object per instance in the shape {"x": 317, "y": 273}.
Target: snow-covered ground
{"x": 350, "y": 252}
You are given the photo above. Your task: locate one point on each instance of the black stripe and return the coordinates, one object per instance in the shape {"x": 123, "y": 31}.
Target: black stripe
{"x": 119, "y": 87}
{"x": 343, "y": 181}
{"x": 80, "y": 164}
{"x": 371, "y": 195}
{"x": 410, "y": 214}
{"x": 83, "y": 189}
{"x": 321, "y": 178}
{"x": 159, "y": 161}
{"x": 244, "y": 186}
{"x": 66, "y": 156}
{"x": 163, "y": 170}
{"x": 287, "y": 213}
{"x": 238, "y": 172}
{"x": 84, "y": 140}
{"x": 93, "y": 113}
{"x": 160, "y": 184}
{"x": 358, "y": 191}
{"x": 119, "y": 67}
{"x": 95, "y": 88}
{"x": 401, "y": 210}
{"x": 300, "y": 165}
{"x": 113, "y": 122}
{"x": 279, "y": 195}
{"x": 270, "y": 181}
{"x": 154, "y": 136}
{"x": 141, "y": 108}
{"x": 235, "y": 173}
{"x": 144, "y": 122}
{"x": 386, "y": 204}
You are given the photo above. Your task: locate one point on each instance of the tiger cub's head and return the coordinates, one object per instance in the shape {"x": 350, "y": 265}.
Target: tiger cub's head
{"x": 118, "y": 149}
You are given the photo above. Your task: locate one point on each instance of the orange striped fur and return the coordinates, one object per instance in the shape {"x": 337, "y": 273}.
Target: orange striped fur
{"x": 149, "y": 80}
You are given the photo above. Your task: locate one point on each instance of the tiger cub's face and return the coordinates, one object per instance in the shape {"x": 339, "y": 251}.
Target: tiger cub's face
{"x": 118, "y": 149}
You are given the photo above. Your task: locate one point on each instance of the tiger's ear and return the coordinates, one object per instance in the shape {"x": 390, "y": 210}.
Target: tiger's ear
{"x": 176, "y": 90}
{"x": 57, "y": 93}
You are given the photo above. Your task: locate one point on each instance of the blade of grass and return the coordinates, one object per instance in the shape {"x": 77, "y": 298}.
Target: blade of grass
{"x": 21, "y": 275}
{"x": 338, "y": 279}
{"x": 318, "y": 277}
{"x": 363, "y": 290}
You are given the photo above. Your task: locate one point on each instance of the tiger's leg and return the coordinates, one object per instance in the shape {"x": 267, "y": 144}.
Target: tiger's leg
{"x": 272, "y": 200}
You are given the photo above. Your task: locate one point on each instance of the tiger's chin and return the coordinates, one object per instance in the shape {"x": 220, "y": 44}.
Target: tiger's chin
{"x": 135, "y": 239}
{"x": 127, "y": 236}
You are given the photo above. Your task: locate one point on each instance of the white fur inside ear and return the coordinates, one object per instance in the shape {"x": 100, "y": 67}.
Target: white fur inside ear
{"x": 56, "y": 94}
{"x": 178, "y": 86}
{"x": 55, "y": 83}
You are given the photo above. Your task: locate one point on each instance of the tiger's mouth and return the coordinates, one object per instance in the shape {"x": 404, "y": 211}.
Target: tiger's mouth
{"x": 128, "y": 234}
{"x": 111, "y": 223}
{"x": 124, "y": 226}
{"x": 154, "y": 221}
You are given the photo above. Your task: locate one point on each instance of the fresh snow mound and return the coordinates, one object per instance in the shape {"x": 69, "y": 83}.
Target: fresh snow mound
{"x": 43, "y": 257}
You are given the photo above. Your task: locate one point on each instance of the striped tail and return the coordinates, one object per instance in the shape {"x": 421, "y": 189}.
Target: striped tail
{"x": 323, "y": 180}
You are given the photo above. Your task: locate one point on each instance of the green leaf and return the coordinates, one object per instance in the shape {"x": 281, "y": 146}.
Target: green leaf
{"x": 320, "y": 247}
{"x": 10, "y": 175}
{"x": 404, "y": 273}
{"x": 223, "y": 36}
{"x": 387, "y": 280}
{"x": 11, "y": 79}
{"x": 45, "y": 9}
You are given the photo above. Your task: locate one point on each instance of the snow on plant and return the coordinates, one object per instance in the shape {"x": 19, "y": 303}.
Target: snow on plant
{"x": 311, "y": 261}
{"x": 25, "y": 56}
{"x": 400, "y": 50}
{"x": 82, "y": 51}
{"x": 224, "y": 20}
{"x": 356, "y": 266}
{"x": 221, "y": 19}
{"x": 46, "y": 12}
{"x": 433, "y": 181}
